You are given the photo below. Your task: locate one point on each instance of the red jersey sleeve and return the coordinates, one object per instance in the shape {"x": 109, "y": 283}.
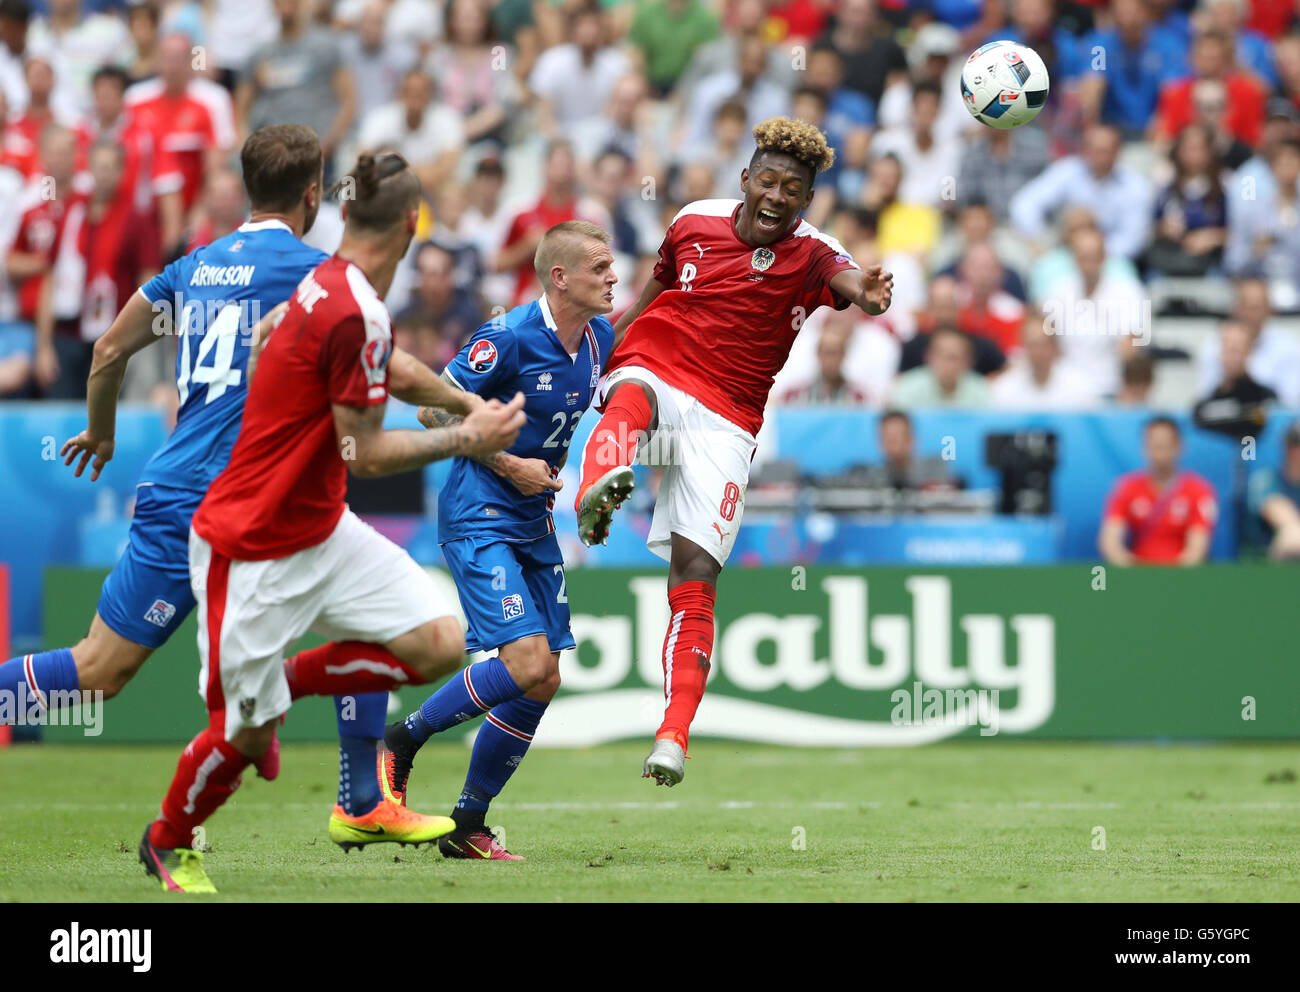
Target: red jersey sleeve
{"x": 355, "y": 364}
{"x": 829, "y": 259}
{"x": 1119, "y": 501}
{"x": 1203, "y": 510}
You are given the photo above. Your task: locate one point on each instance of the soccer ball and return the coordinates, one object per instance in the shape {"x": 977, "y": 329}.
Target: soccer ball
{"x": 1004, "y": 85}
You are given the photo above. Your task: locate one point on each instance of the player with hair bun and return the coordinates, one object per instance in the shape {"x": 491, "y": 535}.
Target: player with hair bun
{"x": 693, "y": 362}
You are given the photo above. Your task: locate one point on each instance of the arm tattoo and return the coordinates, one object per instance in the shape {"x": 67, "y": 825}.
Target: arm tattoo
{"x": 434, "y": 417}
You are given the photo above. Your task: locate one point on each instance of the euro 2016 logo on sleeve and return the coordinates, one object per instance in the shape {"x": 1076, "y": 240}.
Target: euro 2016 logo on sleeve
{"x": 512, "y": 606}
{"x": 482, "y": 356}
{"x": 374, "y": 359}
{"x": 762, "y": 259}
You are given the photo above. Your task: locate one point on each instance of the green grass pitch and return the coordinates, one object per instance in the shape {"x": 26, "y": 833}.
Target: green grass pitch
{"x": 978, "y": 820}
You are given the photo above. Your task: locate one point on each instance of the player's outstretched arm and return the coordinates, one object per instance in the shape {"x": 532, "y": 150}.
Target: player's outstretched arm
{"x": 131, "y": 331}
{"x": 371, "y": 451}
{"x": 411, "y": 381}
{"x": 529, "y": 475}
{"x": 653, "y": 288}
{"x": 870, "y": 290}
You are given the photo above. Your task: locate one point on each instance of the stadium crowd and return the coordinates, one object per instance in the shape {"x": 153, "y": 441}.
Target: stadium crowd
{"x": 1031, "y": 266}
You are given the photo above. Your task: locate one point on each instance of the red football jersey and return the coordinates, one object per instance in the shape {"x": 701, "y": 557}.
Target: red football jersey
{"x": 725, "y": 325}
{"x": 40, "y": 232}
{"x": 184, "y": 130}
{"x": 284, "y": 487}
{"x": 1158, "y": 520}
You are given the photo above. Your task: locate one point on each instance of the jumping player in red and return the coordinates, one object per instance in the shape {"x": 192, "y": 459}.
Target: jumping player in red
{"x": 693, "y": 362}
{"x": 274, "y": 551}
{"x": 1161, "y": 516}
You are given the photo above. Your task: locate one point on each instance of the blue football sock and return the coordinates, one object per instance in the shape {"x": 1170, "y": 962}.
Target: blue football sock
{"x": 500, "y": 746}
{"x": 28, "y": 681}
{"x": 475, "y": 690}
{"x": 361, "y": 724}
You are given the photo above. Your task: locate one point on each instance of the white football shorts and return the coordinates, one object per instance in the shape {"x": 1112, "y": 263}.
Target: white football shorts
{"x": 705, "y": 458}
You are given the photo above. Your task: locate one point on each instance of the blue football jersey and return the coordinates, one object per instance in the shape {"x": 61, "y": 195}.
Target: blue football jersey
{"x": 214, "y": 296}
{"x": 520, "y": 352}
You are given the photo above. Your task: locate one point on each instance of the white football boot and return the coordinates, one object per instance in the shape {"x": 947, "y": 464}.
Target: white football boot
{"x": 666, "y": 763}
{"x": 597, "y": 505}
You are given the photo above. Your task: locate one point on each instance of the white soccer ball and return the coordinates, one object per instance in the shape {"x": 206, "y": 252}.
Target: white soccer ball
{"x": 1004, "y": 85}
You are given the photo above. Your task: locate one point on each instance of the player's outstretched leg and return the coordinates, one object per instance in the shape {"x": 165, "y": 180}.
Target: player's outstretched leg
{"x": 31, "y": 683}
{"x": 364, "y": 813}
{"x": 688, "y": 645}
{"x": 607, "y": 479}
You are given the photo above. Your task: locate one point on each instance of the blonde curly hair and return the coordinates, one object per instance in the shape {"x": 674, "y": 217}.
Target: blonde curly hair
{"x": 800, "y": 140}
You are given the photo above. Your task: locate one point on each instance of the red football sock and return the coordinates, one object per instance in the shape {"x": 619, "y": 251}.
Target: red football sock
{"x": 614, "y": 439}
{"x": 206, "y": 776}
{"x": 343, "y": 667}
{"x": 687, "y": 648}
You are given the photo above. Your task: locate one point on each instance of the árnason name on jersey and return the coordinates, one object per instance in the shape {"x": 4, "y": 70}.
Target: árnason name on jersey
{"x": 222, "y": 275}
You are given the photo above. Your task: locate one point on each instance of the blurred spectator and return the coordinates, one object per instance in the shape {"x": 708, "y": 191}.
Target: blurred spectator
{"x": 1253, "y": 53}
{"x": 484, "y": 225}
{"x": 142, "y": 21}
{"x": 903, "y": 226}
{"x": 426, "y": 133}
{"x": 872, "y": 58}
{"x": 1191, "y": 211}
{"x": 419, "y": 22}
{"x": 810, "y": 106}
{"x": 438, "y": 309}
{"x": 300, "y": 77}
{"x": 747, "y": 85}
{"x": 117, "y": 243}
{"x": 471, "y": 73}
{"x": 1159, "y": 515}
{"x": 1271, "y": 18}
{"x": 573, "y": 82}
{"x": 22, "y": 135}
{"x": 191, "y": 125}
{"x": 49, "y": 287}
{"x": 871, "y": 351}
{"x": 377, "y": 64}
{"x": 236, "y": 29}
{"x": 449, "y": 203}
{"x": 1255, "y": 174}
{"x": 1273, "y": 503}
{"x": 559, "y": 202}
{"x": 1124, "y": 67}
{"x": 1098, "y": 314}
{"x": 609, "y": 184}
{"x": 1209, "y": 98}
{"x": 1274, "y": 352}
{"x": 849, "y": 117}
{"x": 1237, "y": 404}
{"x": 901, "y": 469}
{"x": 930, "y": 56}
{"x": 830, "y": 386}
{"x": 81, "y": 41}
{"x": 627, "y": 124}
{"x": 1137, "y": 376}
{"x": 1264, "y": 232}
{"x": 1038, "y": 379}
{"x": 221, "y": 209}
{"x": 975, "y": 225}
{"x": 14, "y": 18}
{"x": 995, "y": 164}
{"x": 729, "y": 150}
{"x": 1243, "y": 110}
{"x": 1057, "y": 267}
{"x": 986, "y": 309}
{"x": 17, "y": 346}
{"x": 946, "y": 379}
{"x": 722, "y": 54}
{"x": 666, "y": 33}
{"x": 943, "y": 312}
{"x": 929, "y": 165}
{"x": 145, "y": 177}
{"x": 1287, "y": 54}
{"x": 1118, "y": 197}
{"x": 1034, "y": 23}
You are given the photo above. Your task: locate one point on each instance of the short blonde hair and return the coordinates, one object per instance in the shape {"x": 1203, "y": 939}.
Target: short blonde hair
{"x": 800, "y": 140}
{"x": 563, "y": 245}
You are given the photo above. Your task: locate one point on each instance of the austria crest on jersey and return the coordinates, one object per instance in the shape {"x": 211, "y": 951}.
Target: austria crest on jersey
{"x": 762, "y": 259}
{"x": 482, "y": 356}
